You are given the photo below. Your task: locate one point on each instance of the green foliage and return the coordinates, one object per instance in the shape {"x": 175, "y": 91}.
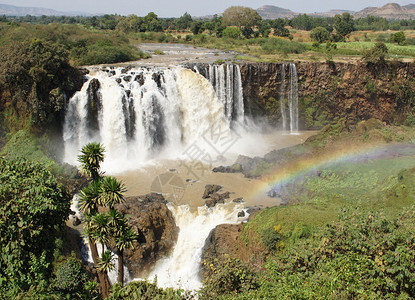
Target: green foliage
{"x": 184, "y": 22}
{"x": 71, "y": 278}
{"x": 276, "y": 45}
{"x": 91, "y": 157}
{"x": 270, "y": 237}
{"x": 145, "y": 290}
{"x": 107, "y": 54}
{"x": 26, "y": 145}
{"x": 363, "y": 255}
{"x": 226, "y": 277}
{"x": 320, "y": 34}
{"x": 302, "y": 22}
{"x": 232, "y": 32}
{"x": 105, "y": 263}
{"x": 196, "y": 28}
{"x": 376, "y": 55}
{"x": 37, "y": 74}
{"x": 247, "y": 32}
{"x": 241, "y": 16}
{"x": 344, "y": 24}
{"x": 278, "y": 25}
{"x": 399, "y": 38}
{"x": 33, "y": 207}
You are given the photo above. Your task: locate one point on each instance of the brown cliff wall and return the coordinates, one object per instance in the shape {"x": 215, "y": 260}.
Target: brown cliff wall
{"x": 331, "y": 91}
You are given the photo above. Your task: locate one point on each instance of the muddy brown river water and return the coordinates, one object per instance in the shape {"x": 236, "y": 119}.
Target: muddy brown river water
{"x": 141, "y": 181}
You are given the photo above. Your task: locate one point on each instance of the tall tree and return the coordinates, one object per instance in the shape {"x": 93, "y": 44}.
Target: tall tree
{"x": 184, "y": 22}
{"x": 320, "y": 34}
{"x": 92, "y": 155}
{"x": 241, "y": 16}
{"x": 104, "y": 228}
{"x": 344, "y": 24}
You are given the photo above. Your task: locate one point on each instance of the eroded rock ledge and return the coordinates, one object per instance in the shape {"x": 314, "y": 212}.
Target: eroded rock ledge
{"x": 149, "y": 215}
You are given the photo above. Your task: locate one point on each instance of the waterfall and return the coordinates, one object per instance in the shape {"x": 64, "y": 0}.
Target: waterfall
{"x": 293, "y": 99}
{"x": 181, "y": 269}
{"x": 227, "y": 81}
{"x": 138, "y": 113}
{"x": 289, "y": 97}
{"x": 282, "y": 98}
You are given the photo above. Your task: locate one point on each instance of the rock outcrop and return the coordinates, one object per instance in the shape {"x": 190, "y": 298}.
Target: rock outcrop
{"x": 225, "y": 239}
{"x": 329, "y": 91}
{"x": 150, "y": 217}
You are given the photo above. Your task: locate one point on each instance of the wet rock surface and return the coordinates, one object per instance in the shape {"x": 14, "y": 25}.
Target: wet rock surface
{"x": 212, "y": 195}
{"x": 150, "y": 217}
{"x": 211, "y": 189}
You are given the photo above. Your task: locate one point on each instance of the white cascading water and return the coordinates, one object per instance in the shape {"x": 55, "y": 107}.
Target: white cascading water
{"x": 142, "y": 112}
{"x": 282, "y": 98}
{"x": 289, "y": 96}
{"x": 227, "y": 82}
{"x": 293, "y": 99}
{"x": 181, "y": 269}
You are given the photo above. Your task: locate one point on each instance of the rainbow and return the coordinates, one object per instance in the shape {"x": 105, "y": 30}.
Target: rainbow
{"x": 311, "y": 163}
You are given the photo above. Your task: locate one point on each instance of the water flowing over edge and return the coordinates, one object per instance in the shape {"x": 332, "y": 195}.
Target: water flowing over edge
{"x": 141, "y": 114}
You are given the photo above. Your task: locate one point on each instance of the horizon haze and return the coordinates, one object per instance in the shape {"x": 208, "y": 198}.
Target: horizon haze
{"x": 166, "y": 8}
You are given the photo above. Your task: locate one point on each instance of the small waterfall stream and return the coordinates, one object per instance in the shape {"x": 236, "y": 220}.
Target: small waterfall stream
{"x": 289, "y": 98}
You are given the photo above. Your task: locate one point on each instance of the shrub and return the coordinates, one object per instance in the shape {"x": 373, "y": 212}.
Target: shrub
{"x": 232, "y": 32}
{"x": 226, "y": 277}
{"x": 70, "y": 277}
{"x": 363, "y": 255}
{"x": 376, "y": 55}
{"x": 277, "y": 45}
{"x": 399, "y": 38}
{"x": 145, "y": 290}
{"x": 33, "y": 206}
{"x": 320, "y": 34}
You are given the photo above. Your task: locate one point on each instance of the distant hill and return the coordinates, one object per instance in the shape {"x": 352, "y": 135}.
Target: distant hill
{"x": 331, "y": 13}
{"x": 275, "y": 12}
{"x": 391, "y": 11}
{"x": 11, "y": 10}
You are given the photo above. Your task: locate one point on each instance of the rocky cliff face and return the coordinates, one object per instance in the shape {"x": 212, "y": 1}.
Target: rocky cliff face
{"x": 225, "y": 239}
{"x": 150, "y": 217}
{"x": 332, "y": 91}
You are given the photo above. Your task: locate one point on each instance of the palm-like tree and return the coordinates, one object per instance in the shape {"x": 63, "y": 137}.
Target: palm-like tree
{"x": 89, "y": 199}
{"x": 124, "y": 239}
{"x": 100, "y": 229}
{"x": 105, "y": 263}
{"x": 92, "y": 155}
{"x": 112, "y": 192}
{"x": 115, "y": 218}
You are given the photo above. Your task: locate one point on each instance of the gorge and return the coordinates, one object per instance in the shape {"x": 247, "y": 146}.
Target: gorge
{"x": 155, "y": 114}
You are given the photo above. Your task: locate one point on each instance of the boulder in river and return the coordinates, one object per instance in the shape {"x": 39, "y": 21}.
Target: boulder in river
{"x": 210, "y": 189}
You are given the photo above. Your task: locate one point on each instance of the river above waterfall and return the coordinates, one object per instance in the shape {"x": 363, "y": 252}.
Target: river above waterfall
{"x": 177, "y": 54}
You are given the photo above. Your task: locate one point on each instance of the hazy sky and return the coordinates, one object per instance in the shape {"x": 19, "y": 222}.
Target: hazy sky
{"x": 175, "y": 8}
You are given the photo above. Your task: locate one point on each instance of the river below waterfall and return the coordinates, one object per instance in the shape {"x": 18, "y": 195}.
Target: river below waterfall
{"x": 140, "y": 181}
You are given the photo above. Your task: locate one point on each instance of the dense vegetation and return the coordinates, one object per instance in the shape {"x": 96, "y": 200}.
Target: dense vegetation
{"x": 34, "y": 207}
